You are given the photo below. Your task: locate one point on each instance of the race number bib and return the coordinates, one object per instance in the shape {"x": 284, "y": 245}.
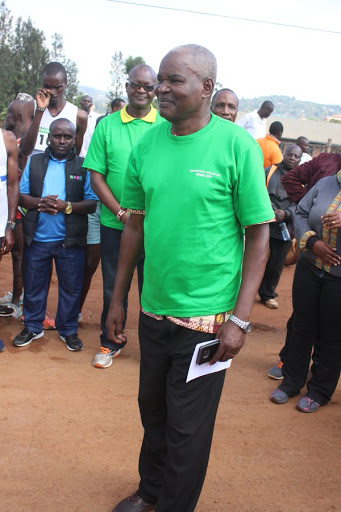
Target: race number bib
{"x": 41, "y": 142}
{"x": 3, "y": 182}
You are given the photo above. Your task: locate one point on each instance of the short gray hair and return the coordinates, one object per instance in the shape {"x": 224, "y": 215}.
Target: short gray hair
{"x": 204, "y": 60}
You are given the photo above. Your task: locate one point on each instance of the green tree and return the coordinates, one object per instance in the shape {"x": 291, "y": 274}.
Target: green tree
{"x": 6, "y": 59}
{"x": 31, "y": 55}
{"x": 131, "y": 62}
{"x": 118, "y": 76}
{"x": 22, "y": 55}
{"x": 57, "y": 52}
{"x": 77, "y": 100}
{"x": 58, "y": 55}
{"x": 5, "y": 25}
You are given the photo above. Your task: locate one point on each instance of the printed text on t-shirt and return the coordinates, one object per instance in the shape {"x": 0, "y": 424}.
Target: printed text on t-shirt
{"x": 204, "y": 174}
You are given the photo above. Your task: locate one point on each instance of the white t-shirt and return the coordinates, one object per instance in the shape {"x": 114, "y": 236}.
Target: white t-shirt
{"x": 305, "y": 158}
{"x": 253, "y": 124}
{"x": 3, "y": 186}
{"x": 92, "y": 118}
{"x": 69, "y": 112}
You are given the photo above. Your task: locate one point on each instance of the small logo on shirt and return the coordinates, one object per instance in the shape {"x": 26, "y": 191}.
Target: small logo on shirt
{"x": 76, "y": 177}
{"x": 205, "y": 174}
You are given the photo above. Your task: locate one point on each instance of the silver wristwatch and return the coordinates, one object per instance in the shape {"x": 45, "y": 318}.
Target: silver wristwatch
{"x": 245, "y": 326}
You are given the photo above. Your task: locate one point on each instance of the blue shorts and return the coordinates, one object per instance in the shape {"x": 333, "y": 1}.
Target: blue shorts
{"x": 94, "y": 233}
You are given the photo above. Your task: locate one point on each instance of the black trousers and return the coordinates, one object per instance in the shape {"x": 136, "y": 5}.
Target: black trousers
{"x": 316, "y": 301}
{"x": 178, "y": 418}
{"x": 284, "y": 351}
{"x": 274, "y": 267}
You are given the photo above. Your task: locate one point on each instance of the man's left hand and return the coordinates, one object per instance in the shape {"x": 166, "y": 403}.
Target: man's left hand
{"x": 231, "y": 341}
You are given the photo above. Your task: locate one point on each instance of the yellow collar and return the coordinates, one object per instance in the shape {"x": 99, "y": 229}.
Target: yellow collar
{"x": 149, "y": 118}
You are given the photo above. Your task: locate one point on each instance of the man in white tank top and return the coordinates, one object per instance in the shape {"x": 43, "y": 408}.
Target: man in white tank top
{"x": 50, "y": 105}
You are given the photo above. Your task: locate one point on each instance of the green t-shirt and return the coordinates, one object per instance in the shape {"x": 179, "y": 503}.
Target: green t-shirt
{"x": 109, "y": 150}
{"x": 198, "y": 192}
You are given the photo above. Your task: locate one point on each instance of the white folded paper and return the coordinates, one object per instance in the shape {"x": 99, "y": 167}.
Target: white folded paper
{"x": 197, "y": 370}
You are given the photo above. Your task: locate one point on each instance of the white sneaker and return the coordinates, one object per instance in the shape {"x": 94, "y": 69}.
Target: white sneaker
{"x": 104, "y": 358}
{"x": 7, "y": 298}
{"x": 17, "y": 310}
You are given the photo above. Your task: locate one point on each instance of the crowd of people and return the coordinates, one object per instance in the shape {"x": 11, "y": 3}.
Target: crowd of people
{"x": 205, "y": 208}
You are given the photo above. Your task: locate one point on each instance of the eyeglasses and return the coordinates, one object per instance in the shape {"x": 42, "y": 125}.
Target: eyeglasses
{"x": 136, "y": 87}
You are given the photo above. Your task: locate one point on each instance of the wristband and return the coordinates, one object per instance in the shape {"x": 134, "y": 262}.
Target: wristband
{"x": 304, "y": 238}
{"x": 120, "y": 214}
{"x": 10, "y": 225}
{"x": 40, "y": 109}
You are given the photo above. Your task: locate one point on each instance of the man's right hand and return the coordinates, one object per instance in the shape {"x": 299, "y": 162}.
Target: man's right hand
{"x": 114, "y": 323}
{"x": 43, "y": 98}
{"x": 326, "y": 253}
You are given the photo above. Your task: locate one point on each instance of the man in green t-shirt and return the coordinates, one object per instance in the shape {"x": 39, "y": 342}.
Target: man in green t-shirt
{"x": 107, "y": 157}
{"x": 192, "y": 186}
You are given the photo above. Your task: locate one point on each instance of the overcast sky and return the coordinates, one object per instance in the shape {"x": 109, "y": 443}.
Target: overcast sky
{"x": 254, "y": 59}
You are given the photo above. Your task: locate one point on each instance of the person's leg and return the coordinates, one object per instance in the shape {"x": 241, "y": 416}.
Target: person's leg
{"x": 284, "y": 350}
{"x": 178, "y": 418}
{"x": 37, "y": 262}
{"x": 154, "y": 367}
{"x": 327, "y": 372}
{"x": 306, "y": 302}
{"x": 93, "y": 251}
{"x": 110, "y": 248}
{"x": 17, "y": 255}
{"x": 70, "y": 270}
{"x": 49, "y": 321}
{"x": 274, "y": 268}
{"x": 275, "y": 372}
{"x": 92, "y": 258}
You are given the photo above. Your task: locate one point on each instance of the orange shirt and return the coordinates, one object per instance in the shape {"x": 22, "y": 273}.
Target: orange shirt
{"x": 270, "y": 149}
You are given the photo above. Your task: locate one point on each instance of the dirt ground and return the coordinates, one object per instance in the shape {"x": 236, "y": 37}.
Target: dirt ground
{"x": 70, "y": 433}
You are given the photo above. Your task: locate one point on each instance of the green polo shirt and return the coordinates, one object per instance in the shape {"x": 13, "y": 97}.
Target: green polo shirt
{"x": 109, "y": 150}
{"x": 198, "y": 192}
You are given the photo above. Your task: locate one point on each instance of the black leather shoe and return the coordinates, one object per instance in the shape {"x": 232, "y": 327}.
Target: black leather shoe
{"x": 133, "y": 504}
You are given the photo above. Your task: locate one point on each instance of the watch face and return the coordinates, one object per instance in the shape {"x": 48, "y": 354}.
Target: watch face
{"x": 248, "y": 328}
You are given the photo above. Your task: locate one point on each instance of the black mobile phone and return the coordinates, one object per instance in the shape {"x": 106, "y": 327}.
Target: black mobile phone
{"x": 207, "y": 351}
